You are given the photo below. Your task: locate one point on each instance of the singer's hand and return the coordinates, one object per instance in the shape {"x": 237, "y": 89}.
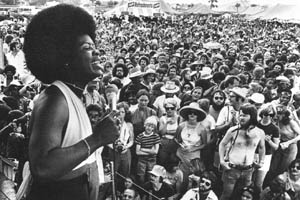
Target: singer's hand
{"x": 106, "y": 130}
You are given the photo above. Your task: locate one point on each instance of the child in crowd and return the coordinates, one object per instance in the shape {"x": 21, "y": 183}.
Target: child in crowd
{"x": 147, "y": 145}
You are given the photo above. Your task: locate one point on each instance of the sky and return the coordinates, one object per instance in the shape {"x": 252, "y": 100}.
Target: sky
{"x": 261, "y": 2}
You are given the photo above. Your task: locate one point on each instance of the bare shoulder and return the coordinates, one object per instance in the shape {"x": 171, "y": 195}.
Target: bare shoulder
{"x": 259, "y": 131}
{"x": 50, "y": 114}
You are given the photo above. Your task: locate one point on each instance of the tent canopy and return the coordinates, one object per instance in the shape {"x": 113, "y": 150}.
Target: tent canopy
{"x": 280, "y": 12}
{"x": 142, "y": 8}
{"x": 201, "y": 9}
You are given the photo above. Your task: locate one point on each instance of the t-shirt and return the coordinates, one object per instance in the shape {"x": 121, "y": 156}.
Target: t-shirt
{"x": 147, "y": 141}
{"x": 164, "y": 192}
{"x": 272, "y": 131}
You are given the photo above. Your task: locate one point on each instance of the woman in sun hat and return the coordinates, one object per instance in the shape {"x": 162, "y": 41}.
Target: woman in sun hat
{"x": 190, "y": 136}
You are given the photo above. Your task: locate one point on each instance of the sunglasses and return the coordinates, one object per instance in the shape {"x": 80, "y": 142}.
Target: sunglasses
{"x": 219, "y": 98}
{"x": 206, "y": 182}
{"x": 187, "y": 88}
{"x": 192, "y": 113}
{"x": 295, "y": 167}
{"x": 170, "y": 108}
{"x": 268, "y": 114}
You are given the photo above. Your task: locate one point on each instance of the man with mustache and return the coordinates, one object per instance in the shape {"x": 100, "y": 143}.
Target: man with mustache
{"x": 237, "y": 151}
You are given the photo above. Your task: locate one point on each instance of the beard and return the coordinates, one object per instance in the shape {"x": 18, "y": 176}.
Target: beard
{"x": 216, "y": 106}
{"x": 245, "y": 125}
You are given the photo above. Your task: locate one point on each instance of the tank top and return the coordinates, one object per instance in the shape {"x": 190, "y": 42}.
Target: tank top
{"x": 79, "y": 126}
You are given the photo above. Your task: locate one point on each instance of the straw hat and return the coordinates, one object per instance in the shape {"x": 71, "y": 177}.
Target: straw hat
{"x": 169, "y": 87}
{"x": 184, "y": 111}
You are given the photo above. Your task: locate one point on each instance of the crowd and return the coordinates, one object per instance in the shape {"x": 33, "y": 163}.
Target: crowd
{"x": 206, "y": 107}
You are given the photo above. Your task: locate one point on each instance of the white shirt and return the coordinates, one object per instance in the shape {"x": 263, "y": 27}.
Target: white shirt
{"x": 159, "y": 104}
{"x": 226, "y": 114}
{"x": 193, "y": 194}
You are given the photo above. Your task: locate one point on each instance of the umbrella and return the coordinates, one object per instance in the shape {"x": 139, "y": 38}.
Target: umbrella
{"x": 212, "y": 45}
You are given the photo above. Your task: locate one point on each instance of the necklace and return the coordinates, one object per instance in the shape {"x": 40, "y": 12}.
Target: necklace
{"x": 73, "y": 85}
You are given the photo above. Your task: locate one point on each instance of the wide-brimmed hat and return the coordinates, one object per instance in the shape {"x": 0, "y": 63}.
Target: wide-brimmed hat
{"x": 193, "y": 107}
{"x": 149, "y": 71}
{"x": 135, "y": 73}
{"x": 170, "y": 87}
{"x": 242, "y": 92}
{"x": 206, "y": 73}
{"x": 282, "y": 78}
{"x": 158, "y": 170}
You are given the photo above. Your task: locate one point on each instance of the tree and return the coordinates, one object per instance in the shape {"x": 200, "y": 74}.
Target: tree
{"x": 237, "y": 5}
{"x": 213, "y": 3}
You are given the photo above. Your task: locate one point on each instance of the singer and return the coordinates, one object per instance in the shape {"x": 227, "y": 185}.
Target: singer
{"x": 60, "y": 51}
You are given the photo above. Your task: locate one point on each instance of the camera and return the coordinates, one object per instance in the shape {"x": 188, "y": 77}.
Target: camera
{"x": 119, "y": 146}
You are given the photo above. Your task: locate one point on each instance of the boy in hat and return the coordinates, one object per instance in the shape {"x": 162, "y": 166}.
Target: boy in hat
{"x": 147, "y": 145}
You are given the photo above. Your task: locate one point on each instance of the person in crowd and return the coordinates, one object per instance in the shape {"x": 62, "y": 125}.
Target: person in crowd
{"x": 130, "y": 194}
{"x": 134, "y": 86}
{"x": 217, "y": 102}
{"x": 237, "y": 151}
{"x": 174, "y": 176}
{"x": 92, "y": 96}
{"x": 209, "y": 124}
{"x": 292, "y": 179}
{"x": 147, "y": 145}
{"x": 190, "y": 136}
{"x": 142, "y": 112}
{"x": 194, "y": 96}
{"x": 230, "y": 83}
{"x": 149, "y": 78}
{"x": 7, "y": 77}
{"x": 108, "y": 67}
{"x": 168, "y": 125}
{"x": 62, "y": 152}
{"x": 121, "y": 71}
{"x": 266, "y": 114}
{"x": 120, "y": 151}
{"x": 229, "y": 116}
{"x": 16, "y": 58}
{"x": 156, "y": 187}
{"x": 248, "y": 193}
{"x": 276, "y": 190}
{"x": 287, "y": 151}
{"x": 169, "y": 89}
{"x": 205, "y": 188}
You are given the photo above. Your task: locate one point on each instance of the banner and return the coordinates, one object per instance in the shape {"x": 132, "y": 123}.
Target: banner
{"x": 144, "y": 7}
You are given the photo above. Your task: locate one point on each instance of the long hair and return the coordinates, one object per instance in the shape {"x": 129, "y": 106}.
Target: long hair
{"x": 252, "y": 111}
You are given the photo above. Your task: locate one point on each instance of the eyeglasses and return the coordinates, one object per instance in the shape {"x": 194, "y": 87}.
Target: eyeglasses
{"x": 206, "y": 182}
{"x": 170, "y": 108}
{"x": 219, "y": 98}
{"x": 295, "y": 167}
{"x": 187, "y": 88}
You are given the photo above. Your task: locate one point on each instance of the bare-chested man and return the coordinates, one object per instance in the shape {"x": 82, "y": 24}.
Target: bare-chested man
{"x": 237, "y": 150}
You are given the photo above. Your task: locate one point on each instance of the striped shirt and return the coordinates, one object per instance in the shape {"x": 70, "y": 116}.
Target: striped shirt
{"x": 147, "y": 141}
